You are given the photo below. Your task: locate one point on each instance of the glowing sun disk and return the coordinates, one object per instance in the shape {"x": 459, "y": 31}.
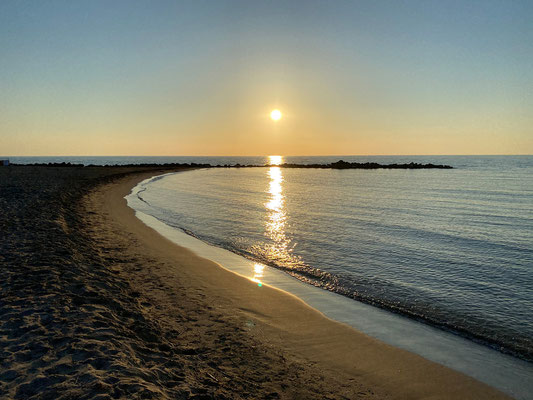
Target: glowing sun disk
{"x": 275, "y": 115}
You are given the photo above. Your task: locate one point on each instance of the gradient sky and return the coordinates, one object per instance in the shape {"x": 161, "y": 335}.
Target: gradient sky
{"x": 201, "y": 77}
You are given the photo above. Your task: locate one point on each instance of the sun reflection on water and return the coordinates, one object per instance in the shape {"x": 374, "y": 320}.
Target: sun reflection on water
{"x": 278, "y": 247}
{"x": 258, "y": 273}
{"x": 276, "y": 219}
{"x": 275, "y": 160}
{"x": 276, "y": 214}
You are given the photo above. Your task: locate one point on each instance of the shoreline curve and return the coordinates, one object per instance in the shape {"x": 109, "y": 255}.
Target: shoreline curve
{"x": 284, "y": 321}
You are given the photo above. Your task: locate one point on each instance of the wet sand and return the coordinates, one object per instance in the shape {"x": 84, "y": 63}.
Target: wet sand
{"x": 95, "y": 304}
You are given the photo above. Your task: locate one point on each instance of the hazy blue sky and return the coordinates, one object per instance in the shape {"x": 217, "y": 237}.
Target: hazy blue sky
{"x": 201, "y": 77}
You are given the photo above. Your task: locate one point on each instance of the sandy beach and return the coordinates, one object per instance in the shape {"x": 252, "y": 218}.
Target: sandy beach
{"x": 96, "y": 305}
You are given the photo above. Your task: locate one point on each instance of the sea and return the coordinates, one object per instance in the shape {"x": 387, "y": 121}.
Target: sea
{"x": 449, "y": 249}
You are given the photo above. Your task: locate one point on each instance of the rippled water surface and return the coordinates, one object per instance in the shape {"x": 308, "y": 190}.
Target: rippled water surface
{"x": 451, "y": 247}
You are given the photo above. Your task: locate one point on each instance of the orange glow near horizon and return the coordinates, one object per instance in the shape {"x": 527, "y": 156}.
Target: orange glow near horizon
{"x": 252, "y": 133}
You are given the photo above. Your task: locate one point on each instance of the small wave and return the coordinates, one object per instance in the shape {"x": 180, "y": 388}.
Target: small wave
{"x": 374, "y": 293}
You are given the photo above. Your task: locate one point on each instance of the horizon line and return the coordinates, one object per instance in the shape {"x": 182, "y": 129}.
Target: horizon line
{"x": 282, "y": 155}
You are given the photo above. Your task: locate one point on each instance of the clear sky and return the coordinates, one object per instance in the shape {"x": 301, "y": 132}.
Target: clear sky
{"x": 201, "y": 77}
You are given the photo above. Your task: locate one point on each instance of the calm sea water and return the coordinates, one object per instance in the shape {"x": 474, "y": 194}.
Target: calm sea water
{"x": 457, "y": 161}
{"x": 453, "y": 248}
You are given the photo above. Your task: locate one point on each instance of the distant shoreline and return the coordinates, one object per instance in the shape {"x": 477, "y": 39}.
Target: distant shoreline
{"x": 341, "y": 164}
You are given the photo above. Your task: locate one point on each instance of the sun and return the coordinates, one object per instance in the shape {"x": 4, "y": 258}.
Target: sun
{"x": 275, "y": 115}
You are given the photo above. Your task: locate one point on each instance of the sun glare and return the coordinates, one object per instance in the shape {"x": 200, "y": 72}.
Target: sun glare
{"x": 275, "y": 115}
{"x": 275, "y": 160}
